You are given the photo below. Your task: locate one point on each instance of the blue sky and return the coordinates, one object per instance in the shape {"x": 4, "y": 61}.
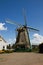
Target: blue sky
{"x": 13, "y": 9}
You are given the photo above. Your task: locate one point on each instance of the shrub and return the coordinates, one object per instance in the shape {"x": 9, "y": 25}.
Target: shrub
{"x": 23, "y": 50}
{"x": 41, "y": 48}
{"x": 8, "y": 51}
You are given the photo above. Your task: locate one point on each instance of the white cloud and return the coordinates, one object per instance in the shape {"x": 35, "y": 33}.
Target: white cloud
{"x": 2, "y": 27}
{"x": 11, "y": 41}
{"x": 37, "y": 39}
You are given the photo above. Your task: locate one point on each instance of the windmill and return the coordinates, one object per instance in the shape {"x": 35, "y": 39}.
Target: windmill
{"x": 22, "y": 39}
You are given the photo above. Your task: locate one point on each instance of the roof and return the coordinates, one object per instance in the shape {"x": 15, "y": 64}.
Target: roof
{"x": 1, "y": 38}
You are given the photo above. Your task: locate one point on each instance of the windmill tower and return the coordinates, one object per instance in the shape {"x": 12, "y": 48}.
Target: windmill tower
{"x": 22, "y": 39}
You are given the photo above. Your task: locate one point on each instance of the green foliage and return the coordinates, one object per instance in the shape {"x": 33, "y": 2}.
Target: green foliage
{"x": 13, "y": 46}
{"x": 8, "y": 51}
{"x": 35, "y": 49}
{"x": 41, "y": 48}
{"x": 22, "y": 50}
{"x": 9, "y": 46}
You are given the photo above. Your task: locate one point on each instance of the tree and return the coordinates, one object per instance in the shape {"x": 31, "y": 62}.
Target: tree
{"x": 9, "y": 46}
{"x": 13, "y": 46}
{"x": 41, "y": 48}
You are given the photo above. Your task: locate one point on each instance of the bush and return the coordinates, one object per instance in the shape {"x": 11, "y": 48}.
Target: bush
{"x": 8, "y": 51}
{"x": 23, "y": 50}
{"x": 41, "y": 48}
{"x": 1, "y": 51}
{"x": 36, "y": 49}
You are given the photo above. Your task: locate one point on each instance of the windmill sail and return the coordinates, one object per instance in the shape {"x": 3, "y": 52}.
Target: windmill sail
{"x": 24, "y": 17}
{"x": 12, "y": 22}
{"x": 32, "y": 28}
